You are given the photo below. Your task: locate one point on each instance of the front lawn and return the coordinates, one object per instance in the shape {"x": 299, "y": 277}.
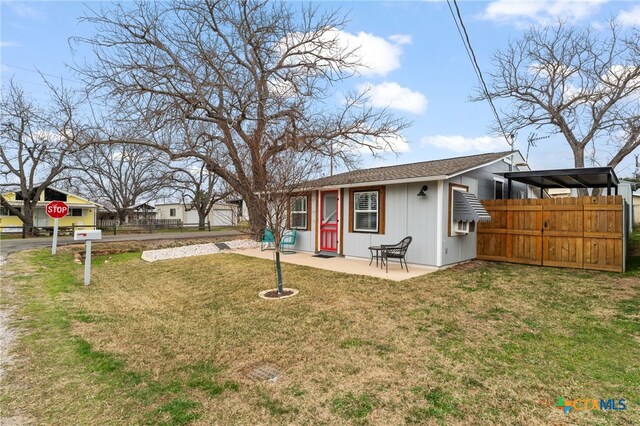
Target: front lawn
{"x": 177, "y": 342}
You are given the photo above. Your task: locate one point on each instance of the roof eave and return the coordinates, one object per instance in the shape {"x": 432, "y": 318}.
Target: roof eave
{"x": 488, "y": 163}
{"x": 381, "y": 182}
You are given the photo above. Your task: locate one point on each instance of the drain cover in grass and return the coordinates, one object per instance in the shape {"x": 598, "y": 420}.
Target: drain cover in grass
{"x": 265, "y": 372}
{"x": 222, "y": 246}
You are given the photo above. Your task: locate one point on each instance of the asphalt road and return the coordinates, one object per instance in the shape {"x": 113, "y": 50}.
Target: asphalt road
{"x": 13, "y": 245}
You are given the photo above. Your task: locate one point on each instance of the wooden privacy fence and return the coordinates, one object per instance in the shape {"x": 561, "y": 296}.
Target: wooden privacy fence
{"x": 571, "y": 232}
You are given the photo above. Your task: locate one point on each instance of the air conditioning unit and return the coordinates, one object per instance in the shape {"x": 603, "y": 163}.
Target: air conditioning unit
{"x": 461, "y": 227}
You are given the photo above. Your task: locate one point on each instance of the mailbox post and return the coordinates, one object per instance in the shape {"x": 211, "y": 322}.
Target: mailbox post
{"x": 87, "y": 237}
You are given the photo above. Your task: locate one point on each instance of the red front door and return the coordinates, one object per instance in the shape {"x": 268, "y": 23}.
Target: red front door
{"x": 329, "y": 221}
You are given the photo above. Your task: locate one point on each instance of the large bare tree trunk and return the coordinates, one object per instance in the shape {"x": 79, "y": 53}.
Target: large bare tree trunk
{"x": 201, "y": 220}
{"x": 27, "y": 221}
{"x": 122, "y": 217}
{"x": 578, "y": 161}
{"x": 257, "y": 218}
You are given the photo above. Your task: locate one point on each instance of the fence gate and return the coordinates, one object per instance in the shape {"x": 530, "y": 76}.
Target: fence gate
{"x": 572, "y": 232}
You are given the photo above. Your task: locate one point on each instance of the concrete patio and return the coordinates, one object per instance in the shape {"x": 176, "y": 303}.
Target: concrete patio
{"x": 347, "y": 265}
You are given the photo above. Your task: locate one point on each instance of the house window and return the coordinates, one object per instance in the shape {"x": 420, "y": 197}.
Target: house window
{"x": 172, "y": 212}
{"x": 365, "y": 211}
{"x": 53, "y": 195}
{"x": 75, "y": 212}
{"x": 5, "y": 212}
{"x": 498, "y": 190}
{"x": 299, "y": 213}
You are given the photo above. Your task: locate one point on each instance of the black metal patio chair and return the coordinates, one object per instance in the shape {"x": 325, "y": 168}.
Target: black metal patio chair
{"x": 396, "y": 251}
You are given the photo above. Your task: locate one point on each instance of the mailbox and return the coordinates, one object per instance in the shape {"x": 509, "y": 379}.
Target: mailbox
{"x": 89, "y": 235}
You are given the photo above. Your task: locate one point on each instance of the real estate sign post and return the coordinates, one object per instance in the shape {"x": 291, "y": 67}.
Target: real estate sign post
{"x": 56, "y": 210}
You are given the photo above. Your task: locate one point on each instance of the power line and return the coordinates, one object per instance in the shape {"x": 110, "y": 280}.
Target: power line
{"x": 40, "y": 73}
{"x": 464, "y": 35}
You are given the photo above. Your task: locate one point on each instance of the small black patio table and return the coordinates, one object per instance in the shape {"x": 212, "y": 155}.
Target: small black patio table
{"x": 375, "y": 252}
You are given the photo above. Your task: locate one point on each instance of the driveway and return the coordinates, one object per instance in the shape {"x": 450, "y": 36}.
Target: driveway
{"x": 13, "y": 245}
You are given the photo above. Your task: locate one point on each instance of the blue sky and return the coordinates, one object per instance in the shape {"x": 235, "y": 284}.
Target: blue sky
{"x": 417, "y": 63}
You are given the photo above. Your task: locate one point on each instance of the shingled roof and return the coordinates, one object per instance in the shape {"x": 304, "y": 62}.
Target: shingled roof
{"x": 424, "y": 169}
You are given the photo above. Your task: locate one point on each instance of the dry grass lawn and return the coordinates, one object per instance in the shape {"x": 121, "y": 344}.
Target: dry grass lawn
{"x": 174, "y": 342}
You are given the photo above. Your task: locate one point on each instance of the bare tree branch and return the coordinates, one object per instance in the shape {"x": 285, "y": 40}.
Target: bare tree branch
{"x": 574, "y": 81}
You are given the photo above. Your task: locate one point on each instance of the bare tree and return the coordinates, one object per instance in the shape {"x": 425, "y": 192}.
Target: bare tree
{"x": 287, "y": 178}
{"x": 260, "y": 75}
{"x": 576, "y": 82}
{"x": 198, "y": 188}
{"x": 121, "y": 175}
{"x": 35, "y": 144}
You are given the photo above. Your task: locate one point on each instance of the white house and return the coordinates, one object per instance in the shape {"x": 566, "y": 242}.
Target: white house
{"x": 220, "y": 215}
{"x": 435, "y": 202}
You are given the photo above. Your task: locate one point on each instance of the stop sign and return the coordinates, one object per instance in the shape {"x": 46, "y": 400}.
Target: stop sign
{"x": 57, "y": 209}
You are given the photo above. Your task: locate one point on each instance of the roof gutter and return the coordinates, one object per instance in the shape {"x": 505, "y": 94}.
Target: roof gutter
{"x": 383, "y": 182}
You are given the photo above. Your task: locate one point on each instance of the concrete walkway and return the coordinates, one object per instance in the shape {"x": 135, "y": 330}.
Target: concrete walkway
{"x": 12, "y": 245}
{"x": 347, "y": 265}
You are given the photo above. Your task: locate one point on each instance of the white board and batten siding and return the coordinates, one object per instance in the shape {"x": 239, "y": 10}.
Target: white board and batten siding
{"x": 457, "y": 248}
{"x": 406, "y": 215}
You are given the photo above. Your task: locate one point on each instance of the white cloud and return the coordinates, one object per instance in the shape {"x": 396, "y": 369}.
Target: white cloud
{"x": 401, "y": 38}
{"x": 392, "y": 95}
{"x": 366, "y": 53}
{"x": 460, "y": 143}
{"x": 522, "y": 12}
{"x": 399, "y": 144}
{"x": 630, "y": 17}
{"x": 377, "y": 55}
{"x": 4, "y": 44}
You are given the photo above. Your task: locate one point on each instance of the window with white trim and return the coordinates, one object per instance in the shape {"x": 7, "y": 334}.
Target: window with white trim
{"x": 172, "y": 212}
{"x": 365, "y": 211}
{"x": 298, "y": 218}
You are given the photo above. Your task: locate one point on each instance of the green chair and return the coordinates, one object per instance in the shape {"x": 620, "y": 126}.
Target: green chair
{"x": 267, "y": 241}
{"x": 288, "y": 240}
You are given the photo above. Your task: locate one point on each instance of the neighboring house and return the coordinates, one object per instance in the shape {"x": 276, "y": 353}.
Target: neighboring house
{"x": 435, "y": 202}
{"x": 220, "y": 215}
{"x": 82, "y": 212}
{"x": 242, "y": 210}
{"x": 143, "y": 212}
{"x": 636, "y": 208}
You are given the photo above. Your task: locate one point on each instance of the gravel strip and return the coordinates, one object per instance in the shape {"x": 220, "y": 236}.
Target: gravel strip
{"x": 7, "y": 334}
{"x": 242, "y": 244}
{"x": 195, "y": 250}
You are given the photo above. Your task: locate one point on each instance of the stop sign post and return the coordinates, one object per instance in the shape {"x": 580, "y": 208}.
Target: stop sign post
{"x": 56, "y": 210}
